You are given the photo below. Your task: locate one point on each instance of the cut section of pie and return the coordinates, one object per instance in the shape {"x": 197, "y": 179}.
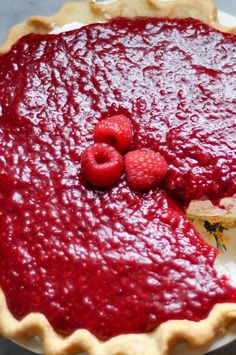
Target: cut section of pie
{"x": 114, "y": 271}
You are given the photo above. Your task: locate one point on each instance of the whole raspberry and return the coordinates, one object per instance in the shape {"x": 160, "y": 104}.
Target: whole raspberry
{"x": 115, "y": 131}
{"x": 144, "y": 169}
{"x": 101, "y": 164}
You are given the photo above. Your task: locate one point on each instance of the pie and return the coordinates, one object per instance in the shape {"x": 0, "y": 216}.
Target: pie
{"x": 114, "y": 271}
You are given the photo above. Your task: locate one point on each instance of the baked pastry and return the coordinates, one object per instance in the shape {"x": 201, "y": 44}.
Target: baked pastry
{"x": 114, "y": 271}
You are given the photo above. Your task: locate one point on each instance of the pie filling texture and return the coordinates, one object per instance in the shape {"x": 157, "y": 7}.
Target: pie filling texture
{"x": 114, "y": 261}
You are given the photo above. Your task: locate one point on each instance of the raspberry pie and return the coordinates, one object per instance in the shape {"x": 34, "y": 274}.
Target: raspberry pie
{"x": 114, "y": 269}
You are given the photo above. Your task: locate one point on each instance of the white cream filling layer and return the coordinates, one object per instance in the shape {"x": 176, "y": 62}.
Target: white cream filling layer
{"x": 224, "y": 19}
{"x": 68, "y": 27}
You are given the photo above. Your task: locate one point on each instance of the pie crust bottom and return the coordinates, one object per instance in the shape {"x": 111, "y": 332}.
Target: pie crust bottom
{"x": 163, "y": 339}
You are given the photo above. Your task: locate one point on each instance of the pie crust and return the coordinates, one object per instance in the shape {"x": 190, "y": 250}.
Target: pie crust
{"x": 163, "y": 339}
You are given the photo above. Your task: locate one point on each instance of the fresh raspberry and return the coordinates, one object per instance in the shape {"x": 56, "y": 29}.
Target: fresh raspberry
{"x": 115, "y": 131}
{"x": 101, "y": 164}
{"x": 144, "y": 169}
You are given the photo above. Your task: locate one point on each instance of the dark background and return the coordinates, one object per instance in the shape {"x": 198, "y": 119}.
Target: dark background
{"x": 15, "y": 11}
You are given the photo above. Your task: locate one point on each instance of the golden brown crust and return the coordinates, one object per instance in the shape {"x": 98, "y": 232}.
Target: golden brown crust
{"x": 159, "y": 342}
{"x": 169, "y": 333}
{"x": 90, "y": 12}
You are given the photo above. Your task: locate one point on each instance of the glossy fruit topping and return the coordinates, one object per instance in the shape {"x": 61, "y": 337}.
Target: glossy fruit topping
{"x": 144, "y": 169}
{"x": 114, "y": 261}
{"x": 115, "y": 131}
{"x": 101, "y": 164}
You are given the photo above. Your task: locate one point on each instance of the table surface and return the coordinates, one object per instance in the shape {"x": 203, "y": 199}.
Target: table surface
{"x": 13, "y": 12}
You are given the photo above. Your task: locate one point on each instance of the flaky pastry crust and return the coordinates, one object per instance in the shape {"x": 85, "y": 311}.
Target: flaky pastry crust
{"x": 90, "y": 12}
{"x": 163, "y": 339}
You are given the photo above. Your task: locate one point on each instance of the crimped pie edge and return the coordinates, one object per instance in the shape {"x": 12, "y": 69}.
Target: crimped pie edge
{"x": 90, "y": 12}
{"x": 163, "y": 339}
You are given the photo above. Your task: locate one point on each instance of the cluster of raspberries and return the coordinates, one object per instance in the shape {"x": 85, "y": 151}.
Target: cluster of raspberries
{"x": 102, "y": 163}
